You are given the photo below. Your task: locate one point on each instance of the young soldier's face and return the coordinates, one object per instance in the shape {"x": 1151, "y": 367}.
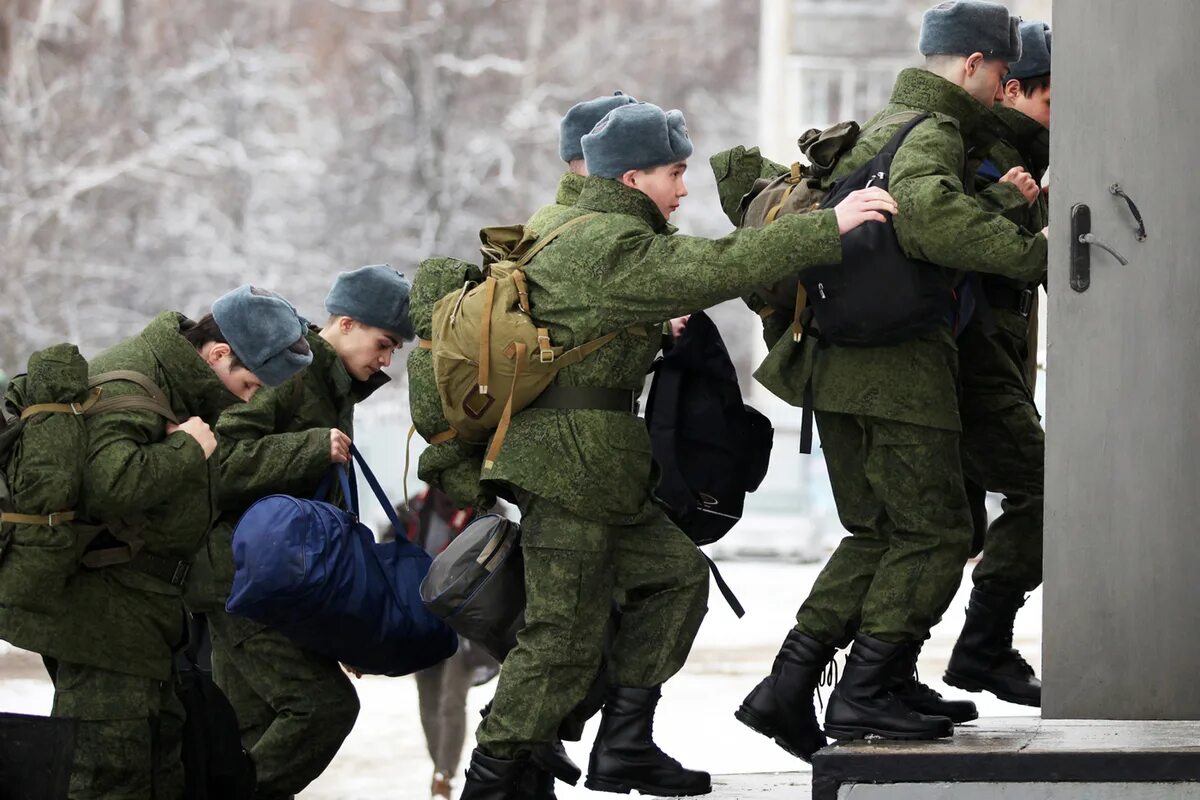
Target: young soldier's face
{"x": 1036, "y": 106}
{"x": 236, "y": 378}
{"x": 364, "y": 350}
{"x": 664, "y": 185}
{"x": 984, "y": 79}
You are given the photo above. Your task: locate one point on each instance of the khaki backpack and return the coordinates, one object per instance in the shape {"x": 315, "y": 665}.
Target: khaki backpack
{"x": 43, "y": 445}
{"x": 800, "y": 191}
{"x": 490, "y": 358}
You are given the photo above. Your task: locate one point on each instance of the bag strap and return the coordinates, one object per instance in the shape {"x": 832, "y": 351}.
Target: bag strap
{"x": 792, "y": 180}
{"x": 50, "y": 520}
{"x": 501, "y": 433}
{"x": 726, "y": 592}
{"x": 550, "y": 237}
{"x": 78, "y": 409}
{"x": 156, "y": 403}
{"x": 380, "y": 495}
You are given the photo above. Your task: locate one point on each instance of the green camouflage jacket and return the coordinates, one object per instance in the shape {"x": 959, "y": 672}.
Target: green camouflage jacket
{"x": 622, "y": 271}
{"x": 454, "y": 466}
{"x": 916, "y": 381}
{"x": 569, "y": 187}
{"x": 278, "y": 443}
{"x": 994, "y": 368}
{"x": 118, "y": 618}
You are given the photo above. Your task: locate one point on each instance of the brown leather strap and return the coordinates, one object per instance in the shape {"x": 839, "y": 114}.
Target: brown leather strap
{"x": 425, "y": 344}
{"x": 57, "y": 518}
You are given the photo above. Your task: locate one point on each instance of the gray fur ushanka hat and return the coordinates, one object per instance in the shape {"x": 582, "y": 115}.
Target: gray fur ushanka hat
{"x": 636, "y": 136}
{"x": 261, "y": 328}
{"x": 963, "y": 27}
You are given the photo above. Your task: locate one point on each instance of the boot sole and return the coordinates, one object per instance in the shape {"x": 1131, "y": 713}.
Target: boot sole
{"x": 857, "y": 732}
{"x": 967, "y": 684}
{"x": 755, "y": 723}
{"x": 625, "y": 787}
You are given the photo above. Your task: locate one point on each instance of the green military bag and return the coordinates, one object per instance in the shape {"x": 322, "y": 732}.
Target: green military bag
{"x": 801, "y": 190}
{"x": 490, "y": 358}
{"x": 43, "y": 449}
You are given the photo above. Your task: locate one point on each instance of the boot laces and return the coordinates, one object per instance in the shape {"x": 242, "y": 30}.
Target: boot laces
{"x": 829, "y": 677}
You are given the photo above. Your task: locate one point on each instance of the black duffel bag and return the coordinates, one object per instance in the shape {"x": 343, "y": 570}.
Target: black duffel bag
{"x": 477, "y": 584}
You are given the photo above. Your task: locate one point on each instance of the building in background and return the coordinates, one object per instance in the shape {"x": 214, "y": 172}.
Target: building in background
{"x": 825, "y": 61}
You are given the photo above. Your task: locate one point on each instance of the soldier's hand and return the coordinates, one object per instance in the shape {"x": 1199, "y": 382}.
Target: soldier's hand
{"x": 678, "y": 324}
{"x": 865, "y": 205}
{"x": 1020, "y": 177}
{"x": 197, "y": 429}
{"x": 339, "y": 447}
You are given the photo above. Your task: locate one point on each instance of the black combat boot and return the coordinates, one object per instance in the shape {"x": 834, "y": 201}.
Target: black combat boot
{"x": 862, "y": 703}
{"x": 625, "y": 756}
{"x": 907, "y": 687}
{"x": 553, "y": 758}
{"x": 536, "y": 784}
{"x": 984, "y": 659}
{"x": 491, "y": 778}
{"x": 781, "y": 706}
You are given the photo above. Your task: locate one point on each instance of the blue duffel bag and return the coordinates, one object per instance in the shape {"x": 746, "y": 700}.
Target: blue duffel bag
{"x": 313, "y": 572}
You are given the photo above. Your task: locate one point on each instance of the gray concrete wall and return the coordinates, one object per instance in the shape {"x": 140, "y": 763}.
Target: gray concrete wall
{"x": 1122, "y": 597}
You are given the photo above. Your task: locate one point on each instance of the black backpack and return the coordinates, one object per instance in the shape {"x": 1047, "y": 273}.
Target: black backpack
{"x": 712, "y": 449}
{"x": 877, "y": 295}
{"x": 215, "y": 766}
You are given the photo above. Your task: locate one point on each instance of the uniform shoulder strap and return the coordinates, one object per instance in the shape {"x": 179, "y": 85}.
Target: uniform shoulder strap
{"x": 550, "y": 237}
{"x": 155, "y": 400}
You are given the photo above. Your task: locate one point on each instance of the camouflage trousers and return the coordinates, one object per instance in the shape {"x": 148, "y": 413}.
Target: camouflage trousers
{"x": 129, "y": 736}
{"x": 899, "y": 492}
{"x": 294, "y": 707}
{"x": 575, "y": 569}
{"x": 1003, "y": 450}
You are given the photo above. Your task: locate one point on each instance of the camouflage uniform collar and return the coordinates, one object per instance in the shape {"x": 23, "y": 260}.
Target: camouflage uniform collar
{"x": 327, "y": 363}
{"x": 614, "y": 197}
{"x": 569, "y": 187}
{"x": 191, "y": 383}
{"x": 920, "y": 88}
{"x": 1028, "y": 136}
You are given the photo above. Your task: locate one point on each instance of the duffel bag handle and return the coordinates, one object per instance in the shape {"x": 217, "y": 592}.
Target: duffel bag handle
{"x": 349, "y": 487}
{"x": 379, "y": 493}
{"x": 350, "y": 490}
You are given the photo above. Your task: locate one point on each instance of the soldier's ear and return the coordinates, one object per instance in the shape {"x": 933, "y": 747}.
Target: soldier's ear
{"x": 974, "y": 63}
{"x": 214, "y": 352}
{"x": 630, "y": 178}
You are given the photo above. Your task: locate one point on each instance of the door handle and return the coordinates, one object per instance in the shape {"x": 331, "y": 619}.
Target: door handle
{"x": 1082, "y": 240}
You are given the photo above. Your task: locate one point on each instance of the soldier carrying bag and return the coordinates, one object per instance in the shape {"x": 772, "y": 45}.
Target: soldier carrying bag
{"x": 43, "y": 449}
{"x": 490, "y": 358}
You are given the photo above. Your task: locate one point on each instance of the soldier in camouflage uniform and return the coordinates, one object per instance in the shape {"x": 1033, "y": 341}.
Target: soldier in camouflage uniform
{"x": 109, "y": 645}
{"x": 294, "y": 707}
{"x": 579, "y": 458}
{"x": 1003, "y": 444}
{"x": 889, "y": 420}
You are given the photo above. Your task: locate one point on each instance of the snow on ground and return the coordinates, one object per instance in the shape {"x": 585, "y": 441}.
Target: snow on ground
{"x": 385, "y": 756}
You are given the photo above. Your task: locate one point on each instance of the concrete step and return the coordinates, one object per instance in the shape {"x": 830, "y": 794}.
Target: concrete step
{"x": 1020, "y": 757}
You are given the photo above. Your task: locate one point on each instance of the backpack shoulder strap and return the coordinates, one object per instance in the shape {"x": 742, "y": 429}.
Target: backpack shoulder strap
{"x": 155, "y": 403}
{"x": 550, "y": 237}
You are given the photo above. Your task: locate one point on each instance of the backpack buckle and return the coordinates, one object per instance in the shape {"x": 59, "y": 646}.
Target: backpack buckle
{"x": 182, "y": 569}
{"x": 1025, "y": 303}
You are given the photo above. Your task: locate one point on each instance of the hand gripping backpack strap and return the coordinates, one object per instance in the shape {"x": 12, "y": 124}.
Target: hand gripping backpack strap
{"x": 155, "y": 403}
